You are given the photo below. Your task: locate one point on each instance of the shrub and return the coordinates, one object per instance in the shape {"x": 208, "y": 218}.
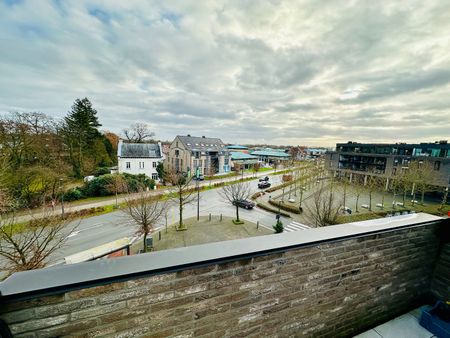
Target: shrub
{"x": 278, "y": 227}
{"x": 285, "y": 207}
{"x": 267, "y": 207}
{"x": 102, "y": 171}
{"x": 73, "y": 195}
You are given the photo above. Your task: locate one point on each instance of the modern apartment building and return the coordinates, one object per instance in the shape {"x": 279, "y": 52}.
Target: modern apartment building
{"x": 202, "y": 155}
{"x": 389, "y": 160}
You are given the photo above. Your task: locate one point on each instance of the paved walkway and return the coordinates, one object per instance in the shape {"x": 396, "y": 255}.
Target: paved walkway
{"x": 76, "y": 206}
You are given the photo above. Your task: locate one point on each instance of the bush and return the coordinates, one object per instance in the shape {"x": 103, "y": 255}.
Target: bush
{"x": 278, "y": 227}
{"x": 267, "y": 207}
{"x": 256, "y": 195}
{"x": 73, "y": 195}
{"x": 102, "y": 171}
{"x": 285, "y": 207}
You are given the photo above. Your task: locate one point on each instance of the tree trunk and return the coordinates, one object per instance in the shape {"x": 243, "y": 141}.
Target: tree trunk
{"x": 237, "y": 213}
{"x": 180, "y": 223}
{"x": 145, "y": 242}
{"x": 357, "y": 201}
{"x": 370, "y": 201}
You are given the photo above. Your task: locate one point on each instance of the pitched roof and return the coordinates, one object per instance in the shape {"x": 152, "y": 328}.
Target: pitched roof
{"x": 202, "y": 143}
{"x": 140, "y": 150}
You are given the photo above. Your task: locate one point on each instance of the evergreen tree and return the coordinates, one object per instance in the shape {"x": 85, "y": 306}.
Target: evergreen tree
{"x": 278, "y": 227}
{"x": 81, "y": 132}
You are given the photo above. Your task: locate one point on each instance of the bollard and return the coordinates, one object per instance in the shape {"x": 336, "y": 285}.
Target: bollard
{"x": 257, "y": 224}
{"x": 210, "y": 217}
{"x": 221, "y": 217}
{"x": 159, "y": 235}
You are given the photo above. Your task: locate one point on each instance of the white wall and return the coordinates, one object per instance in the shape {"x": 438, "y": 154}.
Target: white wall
{"x": 134, "y": 166}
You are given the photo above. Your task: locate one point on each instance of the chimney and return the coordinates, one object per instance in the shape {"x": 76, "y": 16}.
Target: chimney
{"x": 189, "y": 135}
{"x": 119, "y": 148}
{"x": 203, "y": 136}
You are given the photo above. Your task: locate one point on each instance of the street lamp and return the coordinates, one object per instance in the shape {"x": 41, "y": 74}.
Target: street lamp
{"x": 61, "y": 180}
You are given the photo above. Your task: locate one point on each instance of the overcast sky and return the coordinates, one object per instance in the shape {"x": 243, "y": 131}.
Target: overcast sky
{"x": 279, "y": 72}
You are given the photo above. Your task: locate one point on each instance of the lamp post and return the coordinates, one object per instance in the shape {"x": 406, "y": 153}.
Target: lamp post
{"x": 61, "y": 180}
{"x": 198, "y": 199}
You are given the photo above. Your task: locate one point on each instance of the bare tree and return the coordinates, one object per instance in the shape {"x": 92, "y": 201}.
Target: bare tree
{"x": 146, "y": 211}
{"x": 324, "y": 209}
{"x": 358, "y": 189}
{"x": 371, "y": 186}
{"x": 117, "y": 185}
{"x": 31, "y": 246}
{"x": 138, "y": 133}
{"x": 421, "y": 174}
{"x": 234, "y": 193}
{"x": 256, "y": 167}
{"x": 184, "y": 192}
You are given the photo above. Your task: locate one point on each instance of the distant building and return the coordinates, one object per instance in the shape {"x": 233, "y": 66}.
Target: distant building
{"x": 139, "y": 158}
{"x": 238, "y": 148}
{"x": 388, "y": 160}
{"x": 205, "y": 155}
{"x": 242, "y": 160}
{"x": 269, "y": 155}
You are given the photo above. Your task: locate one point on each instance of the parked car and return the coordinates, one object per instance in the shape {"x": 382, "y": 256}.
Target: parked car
{"x": 263, "y": 185}
{"x": 199, "y": 178}
{"x": 264, "y": 179}
{"x": 244, "y": 204}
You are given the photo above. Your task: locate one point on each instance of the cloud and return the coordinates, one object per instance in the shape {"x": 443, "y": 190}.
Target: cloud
{"x": 297, "y": 72}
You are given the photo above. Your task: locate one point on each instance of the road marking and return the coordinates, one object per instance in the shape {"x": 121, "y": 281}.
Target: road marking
{"x": 73, "y": 234}
{"x": 295, "y": 226}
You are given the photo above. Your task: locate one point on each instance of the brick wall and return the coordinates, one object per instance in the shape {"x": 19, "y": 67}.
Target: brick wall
{"x": 333, "y": 289}
{"x": 441, "y": 280}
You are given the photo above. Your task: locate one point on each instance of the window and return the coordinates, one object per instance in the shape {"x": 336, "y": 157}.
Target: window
{"x": 200, "y": 163}
{"x": 437, "y": 165}
{"x": 177, "y": 152}
{"x": 226, "y": 161}
{"x": 155, "y": 164}
{"x": 128, "y": 165}
{"x": 154, "y": 176}
{"x": 195, "y": 163}
{"x": 141, "y": 165}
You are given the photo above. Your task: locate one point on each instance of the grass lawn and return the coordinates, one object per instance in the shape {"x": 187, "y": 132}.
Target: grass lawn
{"x": 205, "y": 231}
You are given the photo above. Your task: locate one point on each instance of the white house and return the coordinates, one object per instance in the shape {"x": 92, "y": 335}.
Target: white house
{"x": 139, "y": 158}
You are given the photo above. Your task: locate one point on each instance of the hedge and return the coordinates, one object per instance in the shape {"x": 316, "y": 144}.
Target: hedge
{"x": 285, "y": 207}
{"x": 267, "y": 207}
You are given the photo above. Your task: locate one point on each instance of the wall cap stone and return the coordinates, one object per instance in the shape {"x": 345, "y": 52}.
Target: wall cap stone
{"x": 58, "y": 279}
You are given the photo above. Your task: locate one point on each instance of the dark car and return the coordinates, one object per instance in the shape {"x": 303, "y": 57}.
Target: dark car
{"x": 199, "y": 178}
{"x": 263, "y": 185}
{"x": 264, "y": 179}
{"x": 244, "y": 204}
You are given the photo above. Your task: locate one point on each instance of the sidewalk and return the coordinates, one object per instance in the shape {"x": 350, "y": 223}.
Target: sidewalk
{"x": 111, "y": 200}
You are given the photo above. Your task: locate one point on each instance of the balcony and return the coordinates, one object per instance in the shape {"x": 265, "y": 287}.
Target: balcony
{"x": 334, "y": 281}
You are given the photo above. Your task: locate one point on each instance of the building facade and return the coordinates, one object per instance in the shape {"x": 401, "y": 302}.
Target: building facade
{"x": 389, "y": 160}
{"x": 139, "y": 158}
{"x": 240, "y": 160}
{"x": 202, "y": 155}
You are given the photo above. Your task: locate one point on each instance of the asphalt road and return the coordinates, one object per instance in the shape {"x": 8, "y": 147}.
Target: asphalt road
{"x": 98, "y": 230}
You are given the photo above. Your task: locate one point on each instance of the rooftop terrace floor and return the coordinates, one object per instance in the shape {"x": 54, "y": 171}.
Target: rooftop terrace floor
{"x": 405, "y": 326}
